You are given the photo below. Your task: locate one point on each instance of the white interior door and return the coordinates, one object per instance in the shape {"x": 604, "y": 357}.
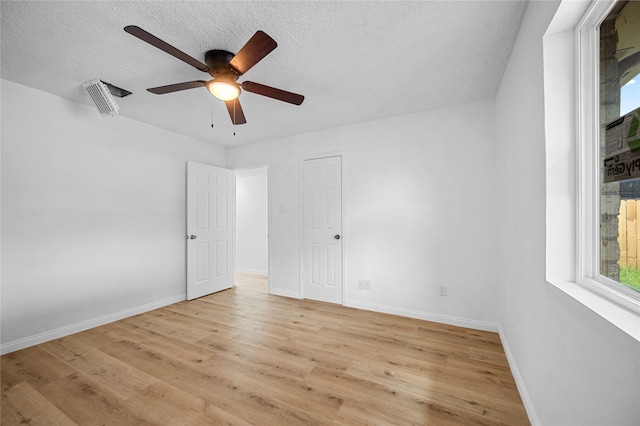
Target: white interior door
{"x": 322, "y": 227}
{"x": 209, "y": 229}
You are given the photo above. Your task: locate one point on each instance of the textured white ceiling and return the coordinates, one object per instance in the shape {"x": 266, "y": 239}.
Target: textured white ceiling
{"x": 353, "y": 61}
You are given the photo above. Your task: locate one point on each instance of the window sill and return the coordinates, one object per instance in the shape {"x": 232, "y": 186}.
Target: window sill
{"x": 624, "y": 319}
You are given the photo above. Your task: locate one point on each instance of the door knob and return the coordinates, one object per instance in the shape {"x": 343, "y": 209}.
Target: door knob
{"x": 193, "y": 237}
{"x": 337, "y": 236}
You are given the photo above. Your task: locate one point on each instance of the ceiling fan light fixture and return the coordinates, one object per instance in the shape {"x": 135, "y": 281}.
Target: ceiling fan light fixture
{"x": 223, "y": 90}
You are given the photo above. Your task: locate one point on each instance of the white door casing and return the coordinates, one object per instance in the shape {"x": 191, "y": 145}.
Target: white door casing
{"x": 209, "y": 229}
{"x": 322, "y": 229}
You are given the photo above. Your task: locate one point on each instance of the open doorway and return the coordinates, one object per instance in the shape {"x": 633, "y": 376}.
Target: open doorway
{"x": 252, "y": 228}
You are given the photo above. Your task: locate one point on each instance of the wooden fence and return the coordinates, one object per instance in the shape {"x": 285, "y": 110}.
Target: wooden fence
{"x": 629, "y": 233}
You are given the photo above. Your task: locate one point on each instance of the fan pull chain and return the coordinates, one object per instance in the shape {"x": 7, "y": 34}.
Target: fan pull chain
{"x": 212, "y": 101}
{"x": 234, "y": 117}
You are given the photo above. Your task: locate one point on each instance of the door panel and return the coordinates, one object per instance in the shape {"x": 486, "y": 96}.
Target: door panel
{"x": 209, "y": 254}
{"x": 322, "y": 222}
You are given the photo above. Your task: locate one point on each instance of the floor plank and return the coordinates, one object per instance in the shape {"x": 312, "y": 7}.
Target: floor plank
{"x": 244, "y": 357}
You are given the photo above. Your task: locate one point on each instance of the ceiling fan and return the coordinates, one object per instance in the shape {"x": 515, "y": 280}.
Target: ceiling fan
{"x": 225, "y": 68}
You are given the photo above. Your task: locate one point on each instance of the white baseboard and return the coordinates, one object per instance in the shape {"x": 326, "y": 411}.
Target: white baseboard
{"x": 252, "y": 271}
{"x": 444, "y": 319}
{"x": 522, "y": 388}
{"x": 85, "y": 325}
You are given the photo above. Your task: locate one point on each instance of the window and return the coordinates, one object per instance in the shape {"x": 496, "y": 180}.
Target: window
{"x": 609, "y": 134}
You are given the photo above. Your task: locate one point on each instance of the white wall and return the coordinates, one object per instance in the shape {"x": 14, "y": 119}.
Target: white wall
{"x": 419, "y": 211}
{"x": 251, "y": 221}
{"x": 93, "y": 215}
{"x": 575, "y": 368}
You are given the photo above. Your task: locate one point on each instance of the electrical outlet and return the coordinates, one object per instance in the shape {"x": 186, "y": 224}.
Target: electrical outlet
{"x": 364, "y": 285}
{"x": 443, "y": 290}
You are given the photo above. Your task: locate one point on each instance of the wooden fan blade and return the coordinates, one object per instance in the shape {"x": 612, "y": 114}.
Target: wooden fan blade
{"x": 272, "y": 92}
{"x": 155, "y": 41}
{"x": 258, "y": 46}
{"x": 235, "y": 111}
{"x": 161, "y": 90}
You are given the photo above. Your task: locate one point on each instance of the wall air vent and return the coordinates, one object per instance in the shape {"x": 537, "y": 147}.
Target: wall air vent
{"x": 102, "y": 97}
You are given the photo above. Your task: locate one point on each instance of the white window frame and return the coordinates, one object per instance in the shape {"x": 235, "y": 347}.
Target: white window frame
{"x": 588, "y": 192}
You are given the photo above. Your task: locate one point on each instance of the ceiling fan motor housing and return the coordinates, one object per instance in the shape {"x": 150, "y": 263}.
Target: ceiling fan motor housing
{"x": 218, "y": 63}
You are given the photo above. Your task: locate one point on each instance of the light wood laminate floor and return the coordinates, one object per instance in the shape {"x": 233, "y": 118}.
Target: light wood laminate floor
{"x": 245, "y": 357}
